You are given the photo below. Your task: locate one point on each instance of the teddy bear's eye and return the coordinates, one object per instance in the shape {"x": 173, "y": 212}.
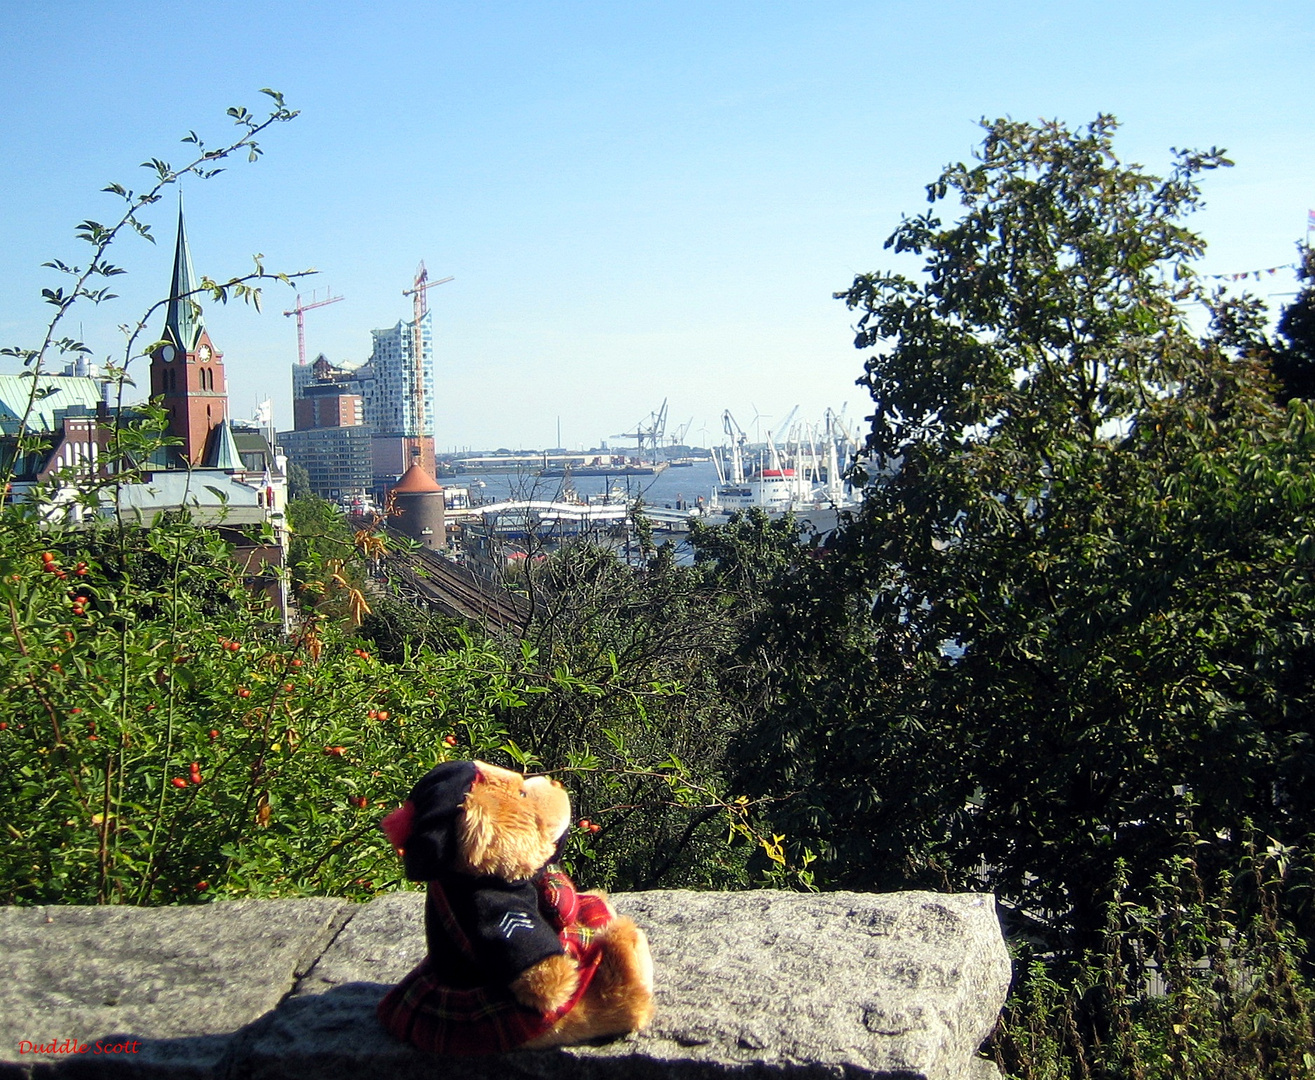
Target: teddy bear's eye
{"x": 522, "y": 793}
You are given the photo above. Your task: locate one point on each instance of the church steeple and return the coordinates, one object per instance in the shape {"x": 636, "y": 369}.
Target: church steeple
{"x": 183, "y": 320}
{"x": 187, "y": 371}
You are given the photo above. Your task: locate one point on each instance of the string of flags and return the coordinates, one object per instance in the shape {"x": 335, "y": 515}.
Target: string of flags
{"x": 1270, "y": 270}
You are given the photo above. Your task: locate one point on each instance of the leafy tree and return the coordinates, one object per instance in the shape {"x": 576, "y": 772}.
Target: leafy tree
{"x": 1080, "y": 607}
{"x": 1293, "y": 363}
{"x": 298, "y": 481}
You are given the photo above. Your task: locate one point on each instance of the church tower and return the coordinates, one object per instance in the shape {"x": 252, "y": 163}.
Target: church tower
{"x": 187, "y": 373}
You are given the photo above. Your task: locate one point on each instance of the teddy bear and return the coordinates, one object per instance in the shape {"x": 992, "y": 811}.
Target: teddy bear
{"x": 517, "y": 958}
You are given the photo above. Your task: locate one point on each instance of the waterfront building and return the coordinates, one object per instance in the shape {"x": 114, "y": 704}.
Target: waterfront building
{"x": 403, "y": 428}
{"x": 379, "y": 396}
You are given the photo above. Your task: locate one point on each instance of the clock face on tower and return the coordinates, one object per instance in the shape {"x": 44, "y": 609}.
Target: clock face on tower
{"x": 203, "y": 353}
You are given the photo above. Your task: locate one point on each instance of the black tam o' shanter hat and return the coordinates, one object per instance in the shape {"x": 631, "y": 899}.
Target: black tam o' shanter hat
{"x": 424, "y": 828}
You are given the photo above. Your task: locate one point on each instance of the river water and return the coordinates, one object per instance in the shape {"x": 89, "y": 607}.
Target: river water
{"x": 671, "y": 485}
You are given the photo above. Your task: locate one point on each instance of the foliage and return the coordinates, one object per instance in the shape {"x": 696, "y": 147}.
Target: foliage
{"x": 1183, "y": 987}
{"x": 161, "y": 743}
{"x": 1083, "y": 592}
{"x": 638, "y": 716}
{"x": 298, "y": 481}
{"x": 328, "y": 557}
{"x": 1293, "y": 358}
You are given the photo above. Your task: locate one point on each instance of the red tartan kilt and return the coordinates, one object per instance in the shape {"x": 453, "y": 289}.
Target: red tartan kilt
{"x": 446, "y": 1020}
{"x": 487, "y": 1019}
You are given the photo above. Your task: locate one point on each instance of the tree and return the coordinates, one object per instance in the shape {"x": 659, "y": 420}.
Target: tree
{"x": 1078, "y": 612}
{"x": 298, "y": 481}
{"x": 1294, "y": 358}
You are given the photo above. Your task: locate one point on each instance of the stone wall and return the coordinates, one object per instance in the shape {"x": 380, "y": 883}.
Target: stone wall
{"x": 754, "y": 984}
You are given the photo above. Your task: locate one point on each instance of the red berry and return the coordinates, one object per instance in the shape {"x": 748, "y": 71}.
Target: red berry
{"x": 583, "y": 823}
{"x": 333, "y": 751}
{"x": 178, "y": 782}
{"x": 243, "y": 692}
{"x": 75, "y": 710}
{"x": 372, "y": 715}
{"x": 451, "y": 740}
{"x": 56, "y": 667}
{"x": 214, "y": 734}
{"x": 383, "y": 714}
{"x": 3, "y": 726}
{"x": 201, "y": 886}
{"x": 287, "y": 687}
{"x": 296, "y": 663}
{"x": 595, "y": 827}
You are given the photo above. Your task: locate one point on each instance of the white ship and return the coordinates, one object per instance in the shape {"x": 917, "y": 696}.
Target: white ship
{"x": 804, "y": 476}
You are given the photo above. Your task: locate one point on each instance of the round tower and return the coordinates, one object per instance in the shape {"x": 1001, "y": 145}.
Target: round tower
{"x": 417, "y": 501}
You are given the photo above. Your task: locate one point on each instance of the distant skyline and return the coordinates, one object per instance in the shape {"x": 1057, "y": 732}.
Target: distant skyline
{"x": 637, "y": 202}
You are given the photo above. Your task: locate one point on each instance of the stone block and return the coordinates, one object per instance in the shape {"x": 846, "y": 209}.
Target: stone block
{"x": 753, "y": 984}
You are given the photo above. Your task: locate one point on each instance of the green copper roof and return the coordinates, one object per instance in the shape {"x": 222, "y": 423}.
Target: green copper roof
{"x": 183, "y": 321}
{"x": 223, "y": 450}
{"x": 55, "y": 393}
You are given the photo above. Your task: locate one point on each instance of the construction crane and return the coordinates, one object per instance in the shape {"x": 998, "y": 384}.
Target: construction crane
{"x": 419, "y": 294}
{"x": 299, "y": 310}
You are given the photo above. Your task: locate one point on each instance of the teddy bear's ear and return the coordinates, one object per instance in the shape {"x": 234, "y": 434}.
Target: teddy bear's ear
{"x": 437, "y": 798}
{"x": 499, "y": 832}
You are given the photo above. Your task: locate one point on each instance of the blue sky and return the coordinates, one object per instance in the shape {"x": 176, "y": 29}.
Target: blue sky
{"x": 638, "y": 201}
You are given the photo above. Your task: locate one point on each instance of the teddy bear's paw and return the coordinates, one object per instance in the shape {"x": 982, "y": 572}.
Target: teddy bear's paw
{"x": 548, "y": 985}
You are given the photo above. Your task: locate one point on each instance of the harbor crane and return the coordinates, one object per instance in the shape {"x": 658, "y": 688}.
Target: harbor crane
{"x": 784, "y": 431}
{"x": 419, "y": 294}
{"x": 738, "y": 441}
{"x": 299, "y": 309}
{"x": 678, "y": 439}
{"x": 651, "y": 435}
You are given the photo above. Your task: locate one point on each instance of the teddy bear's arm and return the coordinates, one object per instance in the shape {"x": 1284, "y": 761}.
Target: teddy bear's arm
{"x": 548, "y": 985}
{"x": 509, "y": 932}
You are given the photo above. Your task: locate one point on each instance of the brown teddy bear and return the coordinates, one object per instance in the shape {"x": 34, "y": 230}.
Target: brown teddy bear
{"x": 517, "y": 958}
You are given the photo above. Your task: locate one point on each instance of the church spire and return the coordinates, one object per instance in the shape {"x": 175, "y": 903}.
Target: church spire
{"x": 183, "y": 321}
